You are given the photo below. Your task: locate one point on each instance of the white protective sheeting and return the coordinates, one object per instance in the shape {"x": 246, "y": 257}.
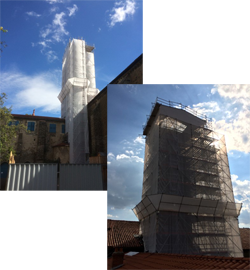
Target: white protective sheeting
{"x": 199, "y": 206}
{"x": 32, "y": 177}
{"x": 90, "y": 69}
{"x": 78, "y": 89}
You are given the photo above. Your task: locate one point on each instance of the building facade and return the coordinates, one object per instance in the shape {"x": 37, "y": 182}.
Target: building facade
{"x": 43, "y": 140}
{"x": 187, "y": 202}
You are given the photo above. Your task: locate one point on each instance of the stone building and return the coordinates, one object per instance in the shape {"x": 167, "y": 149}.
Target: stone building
{"x": 97, "y": 108}
{"x": 43, "y": 141}
{"x": 132, "y": 74}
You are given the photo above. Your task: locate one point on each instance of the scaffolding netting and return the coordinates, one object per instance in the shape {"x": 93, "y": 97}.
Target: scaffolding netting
{"x": 78, "y": 89}
{"x": 187, "y": 195}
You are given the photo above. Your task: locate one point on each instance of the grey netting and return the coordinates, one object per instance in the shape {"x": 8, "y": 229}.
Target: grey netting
{"x": 187, "y": 202}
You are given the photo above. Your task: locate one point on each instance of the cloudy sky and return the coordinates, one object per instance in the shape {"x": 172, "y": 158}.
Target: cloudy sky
{"x": 128, "y": 106}
{"x": 38, "y": 32}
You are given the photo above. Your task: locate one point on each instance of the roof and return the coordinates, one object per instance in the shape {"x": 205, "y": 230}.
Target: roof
{"x": 121, "y": 234}
{"x": 137, "y": 61}
{"x": 61, "y": 144}
{"x": 34, "y": 117}
{"x": 130, "y": 68}
{"x": 245, "y": 237}
{"x": 177, "y": 113}
{"x": 176, "y": 261}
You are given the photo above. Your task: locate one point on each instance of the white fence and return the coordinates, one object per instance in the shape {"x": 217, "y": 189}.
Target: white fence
{"x": 53, "y": 177}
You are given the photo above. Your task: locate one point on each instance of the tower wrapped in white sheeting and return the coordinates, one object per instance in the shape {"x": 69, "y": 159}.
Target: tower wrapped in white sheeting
{"x": 78, "y": 89}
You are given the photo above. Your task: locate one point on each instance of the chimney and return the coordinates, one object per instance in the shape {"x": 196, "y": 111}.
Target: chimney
{"x": 117, "y": 258}
{"x": 33, "y": 114}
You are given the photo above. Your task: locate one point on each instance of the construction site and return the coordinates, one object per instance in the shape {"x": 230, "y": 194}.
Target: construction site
{"x": 187, "y": 204}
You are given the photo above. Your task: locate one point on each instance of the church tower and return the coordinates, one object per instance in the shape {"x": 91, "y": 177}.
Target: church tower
{"x": 78, "y": 89}
{"x": 187, "y": 204}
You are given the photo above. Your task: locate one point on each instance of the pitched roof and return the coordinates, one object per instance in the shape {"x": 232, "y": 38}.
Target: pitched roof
{"x": 245, "y": 237}
{"x": 35, "y": 117}
{"x": 129, "y": 69}
{"x": 121, "y": 233}
{"x": 174, "y": 261}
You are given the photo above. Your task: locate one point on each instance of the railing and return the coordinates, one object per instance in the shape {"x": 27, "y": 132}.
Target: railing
{"x": 178, "y": 105}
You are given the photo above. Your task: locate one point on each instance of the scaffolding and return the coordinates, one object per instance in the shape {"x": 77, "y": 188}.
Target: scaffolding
{"x": 78, "y": 89}
{"x": 187, "y": 202}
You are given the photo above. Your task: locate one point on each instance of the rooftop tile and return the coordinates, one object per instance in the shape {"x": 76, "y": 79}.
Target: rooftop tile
{"x": 176, "y": 261}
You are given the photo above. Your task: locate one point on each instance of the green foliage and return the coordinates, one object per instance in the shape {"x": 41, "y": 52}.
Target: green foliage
{"x": 1, "y": 29}
{"x": 2, "y": 43}
{"x": 8, "y": 133}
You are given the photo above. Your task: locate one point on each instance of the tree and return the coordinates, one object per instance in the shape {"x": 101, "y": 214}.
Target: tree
{"x": 9, "y": 130}
{"x": 2, "y": 43}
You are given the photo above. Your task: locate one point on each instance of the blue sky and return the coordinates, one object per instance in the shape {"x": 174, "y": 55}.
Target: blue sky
{"x": 128, "y": 106}
{"x": 38, "y": 32}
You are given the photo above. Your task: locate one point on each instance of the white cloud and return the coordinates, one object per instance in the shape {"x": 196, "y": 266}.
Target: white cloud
{"x": 56, "y": 29}
{"x": 137, "y": 159}
{"x": 111, "y": 156}
{"x": 33, "y": 14}
{"x": 129, "y": 152}
{"x": 232, "y": 117}
{"x": 237, "y": 129}
{"x": 139, "y": 140}
{"x": 43, "y": 44}
{"x": 122, "y": 156}
{"x": 53, "y": 9}
{"x": 51, "y": 56}
{"x": 59, "y": 30}
{"x": 121, "y": 11}
{"x": 239, "y": 92}
{"x": 37, "y": 91}
{"x": 44, "y": 33}
{"x": 206, "y": 107}
{"x": 213, "y": 91}
{"x": 111, "y": 216}
{"x": 241, "y": 189}
{"x": 54, "y": 1}
{"x": 72, "y": 10}
{"x": 129, "y": 158}
{"x": 99, "y": 29}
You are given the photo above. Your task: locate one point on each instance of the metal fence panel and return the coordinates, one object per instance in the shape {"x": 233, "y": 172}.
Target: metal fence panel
{"x": 80, "y": 177}
{"x": 32, "y": 177}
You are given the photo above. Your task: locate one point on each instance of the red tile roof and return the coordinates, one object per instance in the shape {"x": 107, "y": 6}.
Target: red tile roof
{"x": 121, "y": 233}
{"x": 174, "y": 261}
{"x": 34, "y": 117}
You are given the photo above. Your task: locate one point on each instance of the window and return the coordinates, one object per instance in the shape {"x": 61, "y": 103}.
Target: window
{"x": 13, "y": 123}
{"x": 52, "y": 128}
{"x": 63, "y": 128}
{"x": 31, "y": 126}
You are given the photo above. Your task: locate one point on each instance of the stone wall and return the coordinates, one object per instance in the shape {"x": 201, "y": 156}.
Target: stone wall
{"x": 38, "y": 146}
{"x": 97, "y": 120}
